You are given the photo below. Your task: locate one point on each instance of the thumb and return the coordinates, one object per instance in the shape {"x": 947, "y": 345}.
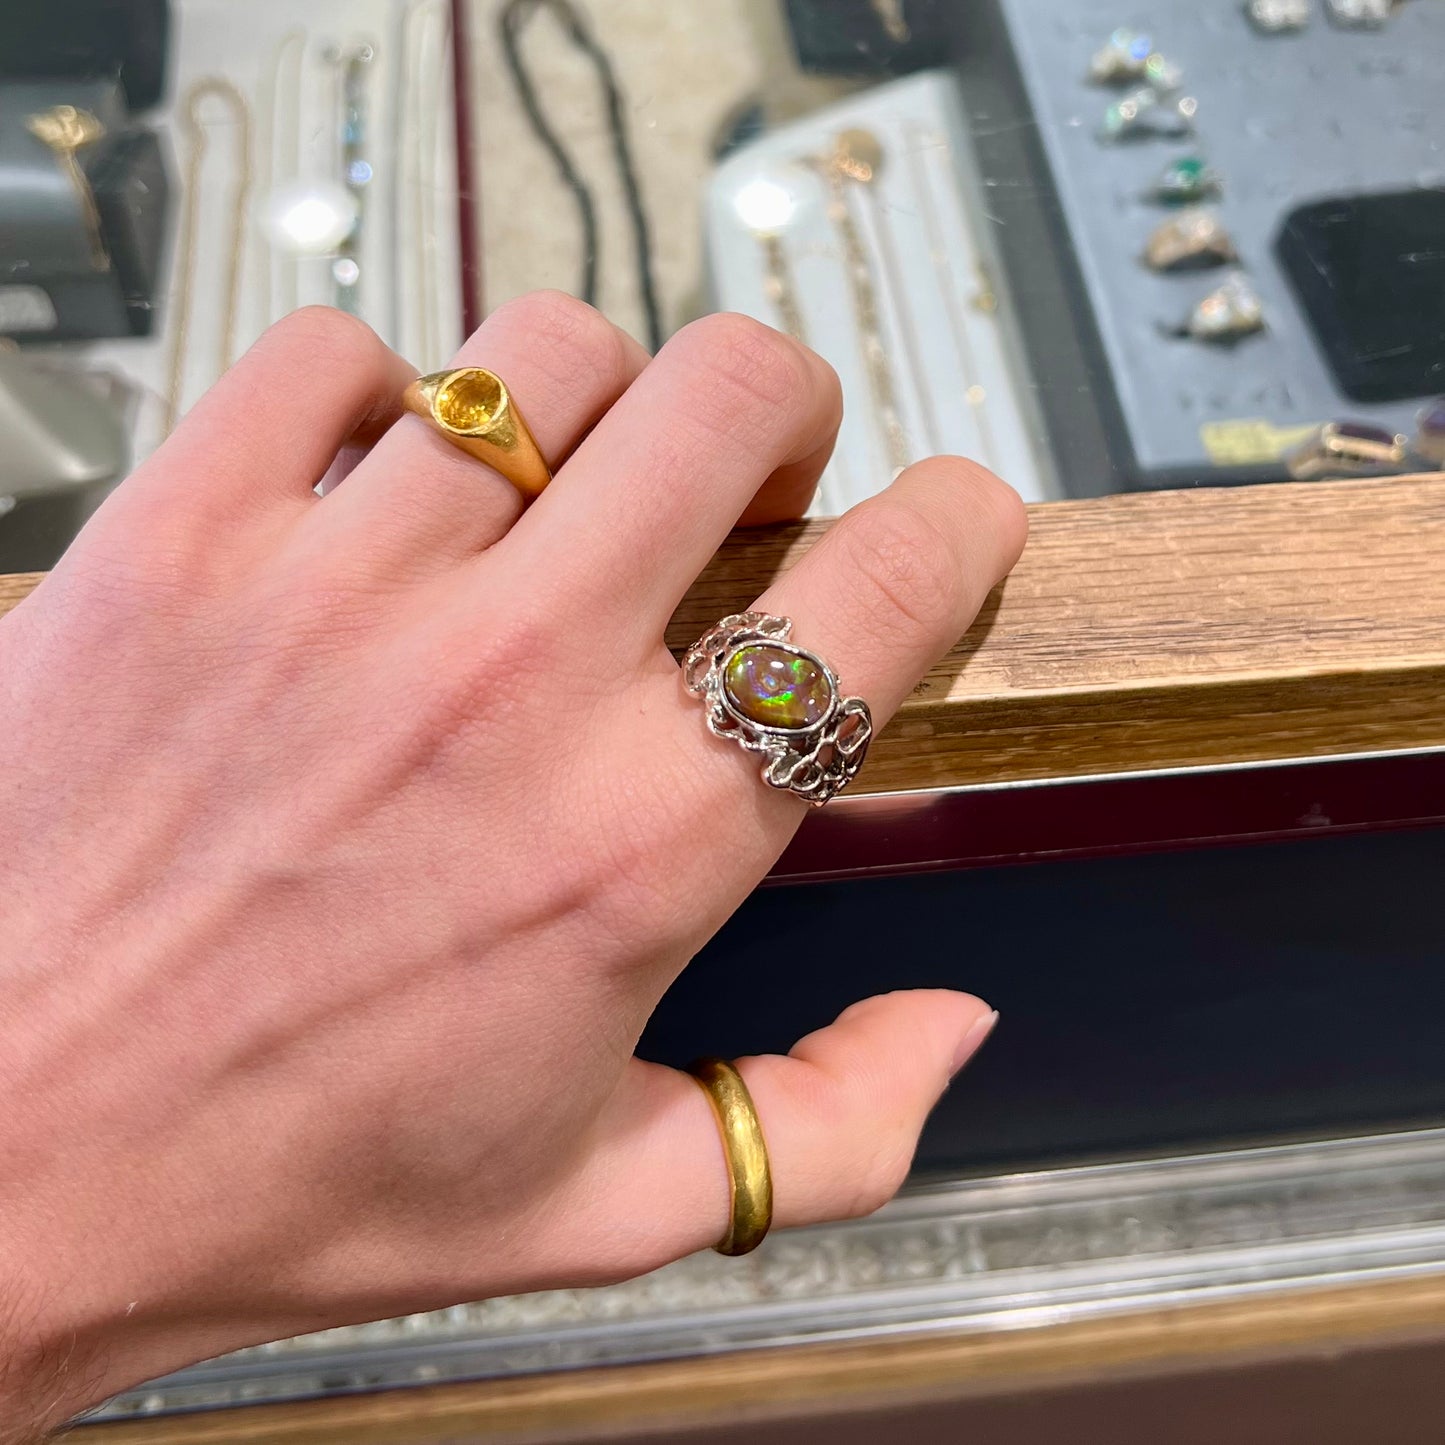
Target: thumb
{"x": 841, "y": 1115}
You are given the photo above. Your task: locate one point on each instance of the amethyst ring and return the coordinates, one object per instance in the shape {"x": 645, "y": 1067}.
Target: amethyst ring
{"x": 781, "y": 701}
{"x": 1344, "y": 449}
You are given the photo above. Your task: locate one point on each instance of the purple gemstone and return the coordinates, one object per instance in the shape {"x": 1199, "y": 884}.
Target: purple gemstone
{"x": 1431, "y": 420}
{"x": 1358, "y": 431}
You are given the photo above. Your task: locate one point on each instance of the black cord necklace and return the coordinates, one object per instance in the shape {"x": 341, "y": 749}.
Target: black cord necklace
{"x": 514, "y": 17}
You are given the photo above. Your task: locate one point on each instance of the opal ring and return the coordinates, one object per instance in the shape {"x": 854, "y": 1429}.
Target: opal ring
{"x": 780, "y": 701}
{"x": 474, "y": 411}
{"x": 750, "y": 1180}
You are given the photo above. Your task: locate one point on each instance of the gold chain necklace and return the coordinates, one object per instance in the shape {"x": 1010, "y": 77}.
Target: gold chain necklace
{"x": 197, "y": 144}
{"x": 983, "y": 299}
{"x": 67, "y": 130}
{"x": 278, "y": 151}
{"x": 865, "y": 305}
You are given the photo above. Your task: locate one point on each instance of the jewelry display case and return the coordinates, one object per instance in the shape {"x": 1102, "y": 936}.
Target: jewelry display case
{"x": 289, "y": 162}
{"x": 1175, "y": 802}
{"x": 1277, "y": 117}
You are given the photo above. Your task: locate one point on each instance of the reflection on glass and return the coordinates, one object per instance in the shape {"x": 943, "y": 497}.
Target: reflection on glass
{"x": 996, "y": 220}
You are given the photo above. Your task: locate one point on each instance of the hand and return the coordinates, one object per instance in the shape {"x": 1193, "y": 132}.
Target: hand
{"x": 351, "y": 840}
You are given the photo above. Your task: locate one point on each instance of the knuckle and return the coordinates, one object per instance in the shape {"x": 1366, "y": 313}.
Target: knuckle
{"x": 563, "y": 333}
{"x": 324, "y": 334}
{"x": 998, "y": 506}
{"x": 905, "y": 564}
{"x": 746, "y": 362}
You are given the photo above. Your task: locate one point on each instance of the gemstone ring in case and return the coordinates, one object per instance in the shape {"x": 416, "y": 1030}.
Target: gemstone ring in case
{"x": 1232, "y": 310}
{"x": 1193, "y": 238}
{"x": 1276, "y": 17}
{"x": 781, "y": 701}
{"x": 1347, "y": 449}
{"x": 1148, "y": 112}
{"x": 1360, "y": 14}
{"x": 1430, "y": 432}
{"x": 1185, "y": 181}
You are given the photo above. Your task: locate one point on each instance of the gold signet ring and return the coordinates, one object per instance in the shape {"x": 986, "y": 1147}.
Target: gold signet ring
{"x": 750, "y": 1180}
{"x": 473, "y": 410}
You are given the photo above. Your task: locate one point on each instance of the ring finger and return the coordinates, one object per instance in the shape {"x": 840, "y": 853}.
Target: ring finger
{"x": 421, "y": 499}
{"x": 880, "y": 597}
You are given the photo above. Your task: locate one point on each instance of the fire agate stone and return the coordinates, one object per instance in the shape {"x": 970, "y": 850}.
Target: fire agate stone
{"x": 776, "y": 688}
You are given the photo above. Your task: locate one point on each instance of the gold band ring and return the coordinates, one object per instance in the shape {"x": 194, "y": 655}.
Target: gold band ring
{"x": 750, "y": 1180}
{"x": 473, "y": 410}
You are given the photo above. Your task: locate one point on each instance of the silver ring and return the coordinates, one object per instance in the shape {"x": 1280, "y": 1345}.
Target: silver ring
{"x": 781, "y": 701}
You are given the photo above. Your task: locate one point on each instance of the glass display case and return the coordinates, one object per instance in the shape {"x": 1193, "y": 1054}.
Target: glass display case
{"x": 1177, "y": 274}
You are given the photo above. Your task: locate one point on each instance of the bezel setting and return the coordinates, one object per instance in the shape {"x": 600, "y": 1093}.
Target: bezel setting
{"x": 816, "y": 761}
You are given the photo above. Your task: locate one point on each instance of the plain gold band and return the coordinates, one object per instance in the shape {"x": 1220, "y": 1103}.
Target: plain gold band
{"x": 472, "y": 408}
{"x": 750, "y": 1179}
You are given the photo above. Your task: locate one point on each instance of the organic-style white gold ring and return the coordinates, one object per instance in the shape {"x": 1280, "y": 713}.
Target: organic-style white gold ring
{"x": 781, "y": 701}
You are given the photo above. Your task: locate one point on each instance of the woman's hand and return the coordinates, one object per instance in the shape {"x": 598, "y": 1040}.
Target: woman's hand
{"x": 351, "y": 840}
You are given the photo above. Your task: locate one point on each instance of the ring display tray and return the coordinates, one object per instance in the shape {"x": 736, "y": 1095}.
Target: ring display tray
{"x": 1285, "y": 119}
{"x": 942, "y": 346}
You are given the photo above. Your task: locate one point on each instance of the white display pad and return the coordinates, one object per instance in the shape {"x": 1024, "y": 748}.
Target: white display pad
{"x": 943, "y": 315}
{"x": 409, "y": 285}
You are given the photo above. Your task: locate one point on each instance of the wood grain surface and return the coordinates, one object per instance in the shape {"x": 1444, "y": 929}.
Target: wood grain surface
{"x": 1163, "y": 630}
{"x": 612, "y": 1404}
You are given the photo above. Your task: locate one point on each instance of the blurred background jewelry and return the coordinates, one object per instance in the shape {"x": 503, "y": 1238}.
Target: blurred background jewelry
{"x": 1129, "y": 56}
{"x": 514, "y": 16}
{"x": 1430, "y": 432}
{"x": 766, "y": 206}
{"x": 1185, "y": 181}
{"x": 193, "y": 126}
{"x": 278, "y": 165}
{"x": 1273, "y": 17}
{"x": 67, "y": 130}
{"x": 983, "y": 299}
{"x": 423, "y": 39}
{"x": 1347, "y": 449}
{"x": 1149, "y": 112}
{"x": 1232, "y": 310}
{"x": 859, "y": 157}
{"x": 893, "y": 20}
{"x": 866, "y": 311}
{"x": 1360, "y": 14}
{"x": 1194, "y": 238}
{"x": 354, "y": 64}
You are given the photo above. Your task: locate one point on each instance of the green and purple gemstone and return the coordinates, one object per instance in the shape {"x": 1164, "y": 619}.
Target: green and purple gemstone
{"x": 775, "y": 688}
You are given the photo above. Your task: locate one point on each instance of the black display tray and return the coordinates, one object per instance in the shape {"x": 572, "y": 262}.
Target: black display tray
{"x": 1155, "y": 1003}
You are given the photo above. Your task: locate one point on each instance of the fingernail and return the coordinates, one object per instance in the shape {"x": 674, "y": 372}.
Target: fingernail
{"x": 973, "y": 1040}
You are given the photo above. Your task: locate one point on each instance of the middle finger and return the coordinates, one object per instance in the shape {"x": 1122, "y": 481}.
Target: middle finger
{"x": 731, "y": 420}
{"x": 418, "y": 499}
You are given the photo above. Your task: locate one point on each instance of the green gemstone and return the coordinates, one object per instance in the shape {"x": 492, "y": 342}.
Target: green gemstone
{"x": 1185, "y": 180}
{"x": 777, "y": 688}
